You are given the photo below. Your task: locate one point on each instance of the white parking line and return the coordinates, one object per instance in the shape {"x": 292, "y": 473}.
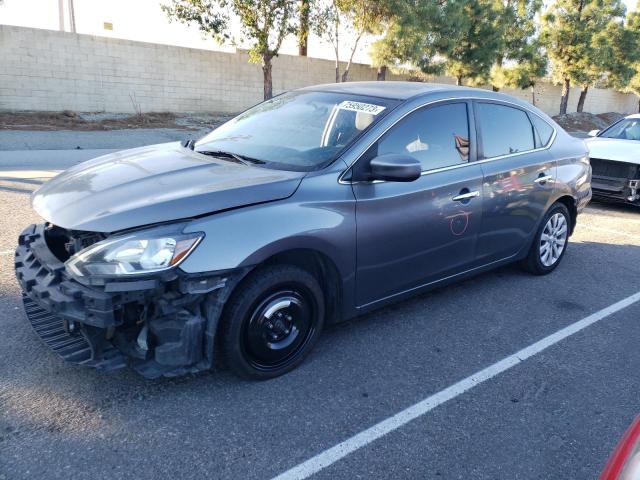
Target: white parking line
{"x": 6, "y": 252}
{"x": 362, "y": 439}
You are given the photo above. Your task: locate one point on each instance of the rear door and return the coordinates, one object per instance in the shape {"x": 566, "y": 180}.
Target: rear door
{"x": 519, "y": 176}
{"x": 412, "y": 233}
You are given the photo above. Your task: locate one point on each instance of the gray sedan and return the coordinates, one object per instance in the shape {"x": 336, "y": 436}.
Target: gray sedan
{"x": 312, "y": 207}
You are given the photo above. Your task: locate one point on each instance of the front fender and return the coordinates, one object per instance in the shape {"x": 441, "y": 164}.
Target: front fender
{"x": 317, "y": 217}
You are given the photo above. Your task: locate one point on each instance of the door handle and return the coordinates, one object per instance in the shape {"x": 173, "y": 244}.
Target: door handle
{"x": 542, "y": 179}
{"x": 466, "y": 196}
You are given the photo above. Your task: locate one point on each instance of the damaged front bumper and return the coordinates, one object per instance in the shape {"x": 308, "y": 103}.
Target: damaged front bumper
{"x": 622, "y": 190}
{"x": 161, "y": 324}
{"x": 614, "y": 180}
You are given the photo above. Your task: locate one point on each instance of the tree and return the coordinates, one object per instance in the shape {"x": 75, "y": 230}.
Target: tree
{"x": 264, "y": 24}
{"x": 472, "y": 44}
{"x": 304, "y": 9}
{"x": 412, "y": 37}
{"x": 569, "y": 29}
{"x": 623, "y": 54}
{"x": 521, "y": 75}
{"x": 326, "y": 22}
{"x": 355, "y": 18}
{"x": 520, "y": 49}
{"x": 458, "y": 36}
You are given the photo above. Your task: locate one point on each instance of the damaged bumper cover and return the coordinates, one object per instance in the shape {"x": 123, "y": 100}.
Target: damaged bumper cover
{"x": 615, "y": 180}
{"x": 161, "y": 324}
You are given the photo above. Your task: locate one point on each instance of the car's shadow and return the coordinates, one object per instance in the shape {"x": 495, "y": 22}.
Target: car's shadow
{"x": 613, "y": 207}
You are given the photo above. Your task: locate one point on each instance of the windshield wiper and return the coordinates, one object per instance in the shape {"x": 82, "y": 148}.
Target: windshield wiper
{"x": 234, "y": 157}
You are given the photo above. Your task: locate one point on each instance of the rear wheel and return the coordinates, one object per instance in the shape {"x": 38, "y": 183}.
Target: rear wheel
{"x": 550, "y": 242}
{"x": 272, "y": 321}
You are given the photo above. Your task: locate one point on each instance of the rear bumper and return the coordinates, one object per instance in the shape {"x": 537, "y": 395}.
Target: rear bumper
{"x": 162, "y": 325}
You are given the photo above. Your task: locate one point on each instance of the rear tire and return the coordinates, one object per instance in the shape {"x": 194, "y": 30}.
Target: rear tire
{"x": 550, "y": 242}
{"x": 271, "y": 322}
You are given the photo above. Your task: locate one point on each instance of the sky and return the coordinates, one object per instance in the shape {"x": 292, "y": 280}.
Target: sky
{"x": 143, "y": 20}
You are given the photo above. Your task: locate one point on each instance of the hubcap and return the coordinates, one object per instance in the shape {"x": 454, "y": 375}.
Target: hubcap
{"x": 278, "y": 329}
{"x": 553, "y": 239}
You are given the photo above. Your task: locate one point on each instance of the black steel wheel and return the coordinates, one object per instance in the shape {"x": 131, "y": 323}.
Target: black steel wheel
{"x": 272, "y": 321}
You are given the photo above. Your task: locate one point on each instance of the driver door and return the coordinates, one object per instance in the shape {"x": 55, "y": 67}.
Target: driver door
{"x": 413, "y": 233}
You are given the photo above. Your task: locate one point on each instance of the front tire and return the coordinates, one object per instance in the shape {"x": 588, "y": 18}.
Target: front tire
{"x": 271, "y": 322}
{"x": 550, "y": 242}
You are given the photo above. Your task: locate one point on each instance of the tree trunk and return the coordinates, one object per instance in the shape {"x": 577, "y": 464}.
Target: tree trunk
{"x": 303, "y": 34}
{"x": 268, "y": 82}
{"x": 494, "y": 88}
{"x": 382, "y": 73}
{"x": 583, "y": 96}
{"x": 564, "y": 99}
{"x": 459, "y": 80}
{"x": 337, "y": 71}
{"x": 533, "y": 95}
{"x": 345, "y": 74}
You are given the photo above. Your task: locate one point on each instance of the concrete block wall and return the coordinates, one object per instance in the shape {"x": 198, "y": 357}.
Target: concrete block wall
{"x": 52, "y": 71}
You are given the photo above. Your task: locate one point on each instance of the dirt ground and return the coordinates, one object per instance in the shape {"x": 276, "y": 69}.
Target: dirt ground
{"x": 68, "y": 120}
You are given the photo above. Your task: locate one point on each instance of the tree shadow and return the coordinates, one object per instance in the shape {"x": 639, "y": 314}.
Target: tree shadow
{"x": 20, "y": 185}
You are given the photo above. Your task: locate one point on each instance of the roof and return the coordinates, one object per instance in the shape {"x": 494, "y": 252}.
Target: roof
{"x": 386, "y": 89}
{"x": 406, "y": 90}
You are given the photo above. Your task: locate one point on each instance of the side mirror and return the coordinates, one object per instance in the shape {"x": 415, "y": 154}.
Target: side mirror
{"x": 593, "y": 133}
{"x": 394, "y": 168}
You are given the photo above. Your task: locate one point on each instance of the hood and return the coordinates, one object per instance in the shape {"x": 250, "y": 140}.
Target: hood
{"x": 153, "y": 184}
{"x": 614, "y": 149}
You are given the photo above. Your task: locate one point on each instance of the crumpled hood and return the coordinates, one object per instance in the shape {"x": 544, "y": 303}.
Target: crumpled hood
{"x": 614, "y": 149}
{"x": 154, "y": 184}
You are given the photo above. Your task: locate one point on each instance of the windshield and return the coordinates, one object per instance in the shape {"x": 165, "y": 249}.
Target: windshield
{"x": 299, "y": 131}
{"x": 627, "y": 129}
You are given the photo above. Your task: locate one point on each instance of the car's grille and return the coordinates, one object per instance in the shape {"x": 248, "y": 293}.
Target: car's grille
{"x": 74, "y": 348}
{"x": 611, "y": 169}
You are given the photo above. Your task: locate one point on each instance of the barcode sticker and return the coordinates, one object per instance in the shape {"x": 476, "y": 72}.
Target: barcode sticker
{"x": 361, "y": 107}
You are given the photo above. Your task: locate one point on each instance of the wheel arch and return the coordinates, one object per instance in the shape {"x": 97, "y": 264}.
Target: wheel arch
{"x": 315, "y": 261}
{"x": 572, "y": 205}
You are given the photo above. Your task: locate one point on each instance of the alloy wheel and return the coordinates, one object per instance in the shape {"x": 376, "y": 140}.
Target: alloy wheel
{"x": 553, "y": 239}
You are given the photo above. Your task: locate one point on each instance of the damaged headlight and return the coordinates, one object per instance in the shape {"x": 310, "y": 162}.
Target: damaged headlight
{"x": 135, "y": 254}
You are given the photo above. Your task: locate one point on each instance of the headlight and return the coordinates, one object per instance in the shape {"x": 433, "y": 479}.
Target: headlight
{"x": 133, "y": 255}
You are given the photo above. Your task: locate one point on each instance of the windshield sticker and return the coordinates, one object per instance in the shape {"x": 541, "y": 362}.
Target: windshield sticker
{"x": 360, "y": 107}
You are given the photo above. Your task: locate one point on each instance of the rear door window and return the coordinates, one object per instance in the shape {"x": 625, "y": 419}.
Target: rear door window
{"x": 503, "y": 130}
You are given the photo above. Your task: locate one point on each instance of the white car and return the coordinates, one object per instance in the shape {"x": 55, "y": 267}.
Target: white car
{"x": 615, "y": 160}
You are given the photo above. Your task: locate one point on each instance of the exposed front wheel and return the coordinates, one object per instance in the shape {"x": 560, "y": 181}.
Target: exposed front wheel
{"x": 550, "y": 242}
{"x": 272, "y": 321}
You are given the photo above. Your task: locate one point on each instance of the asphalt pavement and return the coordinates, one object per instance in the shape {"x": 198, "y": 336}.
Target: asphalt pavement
{"x": 554, "y": 414}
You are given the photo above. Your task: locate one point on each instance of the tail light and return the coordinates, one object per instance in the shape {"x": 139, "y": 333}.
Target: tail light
{"x": 624, "y": 462}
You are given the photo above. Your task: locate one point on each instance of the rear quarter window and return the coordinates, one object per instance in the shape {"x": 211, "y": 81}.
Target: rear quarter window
{"x": 545, "y": 131}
